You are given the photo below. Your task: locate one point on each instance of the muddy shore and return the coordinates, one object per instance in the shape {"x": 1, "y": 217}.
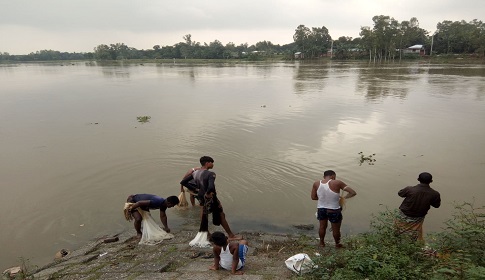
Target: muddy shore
{"x": 173, "y": 259}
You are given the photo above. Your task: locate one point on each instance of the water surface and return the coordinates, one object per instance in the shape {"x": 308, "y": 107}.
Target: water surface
{"x": 71, "y": 149}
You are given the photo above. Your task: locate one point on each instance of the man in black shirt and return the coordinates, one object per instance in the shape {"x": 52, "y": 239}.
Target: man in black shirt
{"x": 417, "y": 201}
{"x": 207, "y": 196}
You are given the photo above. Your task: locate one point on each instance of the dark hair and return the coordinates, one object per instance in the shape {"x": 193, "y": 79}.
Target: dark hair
{"x": 173, "y": 200}
{"x": 425, "y": 178}
{"x": 205, "y": 159}
{"x": 328, "y": 173}
{"x": 218, "y": 238}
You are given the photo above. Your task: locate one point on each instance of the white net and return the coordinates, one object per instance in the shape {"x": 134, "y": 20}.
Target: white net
{"x": 201, "y": 240}
{"x": 152, "y": 234}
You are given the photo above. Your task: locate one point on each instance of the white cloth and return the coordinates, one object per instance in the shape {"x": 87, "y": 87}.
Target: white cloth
{"x": 201, "y": 240}
{"x": 152, "y": 234}
{"x": 326, "y": 197}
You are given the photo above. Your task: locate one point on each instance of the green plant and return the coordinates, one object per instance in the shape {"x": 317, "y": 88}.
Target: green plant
{"x": 455, "y": 253}
{"x": 380, "y": 253}
{"x": 460, "y": 246}
{"x": 143, "y": 119}
{"x": 369, "y": 159}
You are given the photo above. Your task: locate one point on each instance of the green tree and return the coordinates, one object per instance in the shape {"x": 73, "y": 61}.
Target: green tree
{"x": 102, "y": 52}
{"x": 302, "y": 33}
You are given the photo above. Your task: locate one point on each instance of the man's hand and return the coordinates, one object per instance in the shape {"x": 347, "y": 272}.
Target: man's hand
{"x": 209, "y": 195}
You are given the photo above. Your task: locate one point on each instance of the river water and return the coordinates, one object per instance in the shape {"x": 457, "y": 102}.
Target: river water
{"x": 71, "y": 149}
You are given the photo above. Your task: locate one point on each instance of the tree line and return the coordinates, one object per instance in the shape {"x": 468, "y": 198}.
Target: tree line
{"x": 385, "y": 40}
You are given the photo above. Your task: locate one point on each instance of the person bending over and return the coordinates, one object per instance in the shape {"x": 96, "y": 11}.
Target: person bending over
{"x": 147, "y": 202}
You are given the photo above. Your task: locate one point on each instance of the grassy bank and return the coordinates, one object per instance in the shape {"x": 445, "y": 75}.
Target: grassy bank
{"x": 458, "y": 252}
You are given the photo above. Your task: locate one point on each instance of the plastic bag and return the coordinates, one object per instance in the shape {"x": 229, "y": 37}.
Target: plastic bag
{"x": 152, "y": 234}
{"x": 300, "y": 263}
{"x": 183, "y": 201}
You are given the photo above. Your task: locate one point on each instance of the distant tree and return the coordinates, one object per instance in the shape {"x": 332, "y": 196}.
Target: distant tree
{"x": 102, "y": 52}
{"x": 411, "y": 34}
{"x": 459, "y": 37}
{"x": 230, "y": 51}
{"x": 314, "y": 42}
{"x": 215, "y": 50}
{"x": 4, "y": 56}
{"x": 302, "y": 33}
{"x": 319, "y": 41}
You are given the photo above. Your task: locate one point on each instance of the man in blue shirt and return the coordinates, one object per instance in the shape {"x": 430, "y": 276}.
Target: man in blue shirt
{"x": 147, "y": 202}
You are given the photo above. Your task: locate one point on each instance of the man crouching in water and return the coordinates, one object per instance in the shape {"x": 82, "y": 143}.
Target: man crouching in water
{"x": 230, "y": 256}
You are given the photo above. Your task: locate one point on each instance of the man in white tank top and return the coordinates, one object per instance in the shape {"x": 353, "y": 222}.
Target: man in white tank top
{"x": 327, "y": 193}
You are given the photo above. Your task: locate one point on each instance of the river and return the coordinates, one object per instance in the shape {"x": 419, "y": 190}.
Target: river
{"x": 71, "y": 149}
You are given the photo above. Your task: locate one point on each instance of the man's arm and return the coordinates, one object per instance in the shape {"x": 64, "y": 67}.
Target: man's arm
{"x": 185, "y": 181}
{"x": 403, "y": 192}
{"x": 436, "y": 203}
{"x": 314, "y": 190}
{"x": 350, "y": 192}
{"x": 235, "y": 261}
{"x": 141, "y": 203}
{"x": 187, "y": 174}
{"x": 216, "y": 250}
{"x": 163, "y": 219}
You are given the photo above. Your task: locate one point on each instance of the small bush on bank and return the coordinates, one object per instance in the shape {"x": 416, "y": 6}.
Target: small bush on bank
{"x": 456, "y": 253}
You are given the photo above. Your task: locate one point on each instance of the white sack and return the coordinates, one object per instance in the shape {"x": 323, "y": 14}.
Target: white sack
{"x": 152, "y": 234}
{"x": 201, "y": 240}
{"x": 300, "y": 263}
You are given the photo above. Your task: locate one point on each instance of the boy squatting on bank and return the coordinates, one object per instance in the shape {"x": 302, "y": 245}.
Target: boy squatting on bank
{"x": 228, "y": 255}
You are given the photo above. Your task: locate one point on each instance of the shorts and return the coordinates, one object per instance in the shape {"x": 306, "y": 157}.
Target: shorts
{"x": 333, "y": 215}
{"x": 243, "y": 251}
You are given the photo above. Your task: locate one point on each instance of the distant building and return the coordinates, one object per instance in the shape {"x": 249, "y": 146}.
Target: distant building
{"x": 416, "y": 49}
{"x": 299, "y": 55}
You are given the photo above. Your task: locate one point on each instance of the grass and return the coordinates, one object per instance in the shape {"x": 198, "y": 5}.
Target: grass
{"x": 381, "y": 253}
{"x": 143, "y": 119}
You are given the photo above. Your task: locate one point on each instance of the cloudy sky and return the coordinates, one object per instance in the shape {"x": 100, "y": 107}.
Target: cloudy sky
{"x": 80, "y": 25}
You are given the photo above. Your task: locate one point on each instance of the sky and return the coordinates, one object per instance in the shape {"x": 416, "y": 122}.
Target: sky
{"x": 80, "y": 25}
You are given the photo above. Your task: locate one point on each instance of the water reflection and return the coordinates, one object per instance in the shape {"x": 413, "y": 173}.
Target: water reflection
{"x": 309, "y": 77}
{"x": 377, "y": 82}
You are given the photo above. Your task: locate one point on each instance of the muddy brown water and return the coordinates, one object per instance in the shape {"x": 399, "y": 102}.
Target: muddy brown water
{"x": 71, "y": 149}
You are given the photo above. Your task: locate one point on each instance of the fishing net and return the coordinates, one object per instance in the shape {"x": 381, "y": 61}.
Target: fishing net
{"x": 183, "y": 201}
{"x": 201, "y": 240}
{"x": 152, "y": 234}
{"x": 341, "y": 202}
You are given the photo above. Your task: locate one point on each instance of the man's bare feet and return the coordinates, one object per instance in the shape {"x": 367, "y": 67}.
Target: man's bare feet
{"x": 339, "y": 246}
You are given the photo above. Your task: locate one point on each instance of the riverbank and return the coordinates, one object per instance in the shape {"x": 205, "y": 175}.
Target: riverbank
{"x": 174, "y": 258}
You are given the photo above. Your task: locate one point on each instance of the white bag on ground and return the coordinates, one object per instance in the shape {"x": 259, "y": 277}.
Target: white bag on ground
{"x": 152, "y": 234}
{"x": 201, "y": 240}
{"x": 300, "y": 263}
